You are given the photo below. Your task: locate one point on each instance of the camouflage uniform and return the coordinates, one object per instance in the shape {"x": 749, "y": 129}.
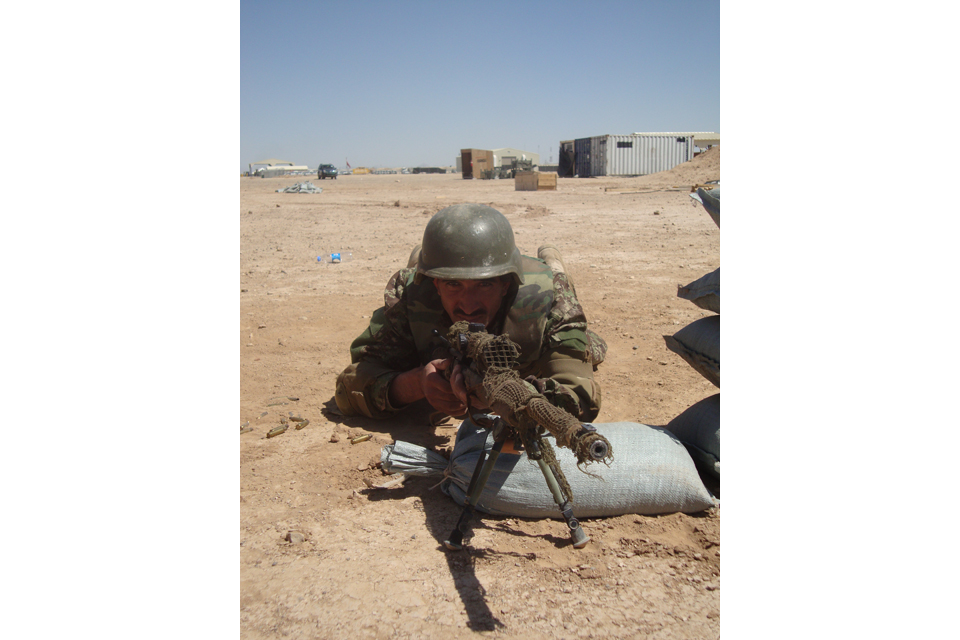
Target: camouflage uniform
{"x": 557, "y": 351}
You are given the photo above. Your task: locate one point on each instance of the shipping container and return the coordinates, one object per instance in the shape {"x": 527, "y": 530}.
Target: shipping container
{"x": 637, "y": 154}
{"x": 581, "y": 157}
{"x": 565, "y": 163}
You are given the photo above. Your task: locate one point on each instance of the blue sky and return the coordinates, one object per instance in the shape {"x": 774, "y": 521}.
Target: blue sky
{"x": 411, "y": 83}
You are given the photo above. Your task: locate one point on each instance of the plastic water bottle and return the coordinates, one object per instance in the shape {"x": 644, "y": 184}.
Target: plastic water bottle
{"x": 335, "y": 258}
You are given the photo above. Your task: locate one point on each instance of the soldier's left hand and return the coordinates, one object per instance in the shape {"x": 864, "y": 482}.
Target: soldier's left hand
{"x": 465, "y": 383}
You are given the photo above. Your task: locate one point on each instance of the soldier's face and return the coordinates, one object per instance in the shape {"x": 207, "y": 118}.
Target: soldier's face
{"x": 472, "y": 300}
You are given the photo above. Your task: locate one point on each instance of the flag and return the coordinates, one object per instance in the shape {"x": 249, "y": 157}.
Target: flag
{"x": 348, "y": 164}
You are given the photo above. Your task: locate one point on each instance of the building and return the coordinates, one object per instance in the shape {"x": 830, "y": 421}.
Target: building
{"x": 275, "y": 167}
{"x": 505, "y": 156}
{"x": 636, "y": 154}
{"x": 706, "y": 139}
{"x": 486, "y": 163}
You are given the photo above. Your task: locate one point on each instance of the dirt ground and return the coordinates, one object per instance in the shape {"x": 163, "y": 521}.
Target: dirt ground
{"x": 324, "y": 556}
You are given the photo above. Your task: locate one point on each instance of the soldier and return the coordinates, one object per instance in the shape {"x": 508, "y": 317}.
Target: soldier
{"x": 469, "y": 268}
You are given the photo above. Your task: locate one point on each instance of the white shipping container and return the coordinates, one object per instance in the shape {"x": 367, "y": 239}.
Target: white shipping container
{"x": 640, "y": 155}
{"x": 632, "y": 155}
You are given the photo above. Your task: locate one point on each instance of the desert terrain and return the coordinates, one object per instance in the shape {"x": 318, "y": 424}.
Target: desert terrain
{"x": 322, "y": 555}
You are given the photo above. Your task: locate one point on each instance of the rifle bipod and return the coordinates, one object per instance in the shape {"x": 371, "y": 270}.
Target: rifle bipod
{"x": 502, "y": 433}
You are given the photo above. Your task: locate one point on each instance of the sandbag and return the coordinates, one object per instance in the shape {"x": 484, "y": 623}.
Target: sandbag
{"x": 699, "y": 429}
{"x": 651, "y": 473}
{"x": 411, "y": 459}
{"x": 699, "y": 344}
{"x": 703, "y": 292}
{"x": 711, "y": 202}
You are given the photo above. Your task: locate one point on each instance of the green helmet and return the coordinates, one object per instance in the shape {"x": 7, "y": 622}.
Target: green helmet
{"x": 468, "y": 242}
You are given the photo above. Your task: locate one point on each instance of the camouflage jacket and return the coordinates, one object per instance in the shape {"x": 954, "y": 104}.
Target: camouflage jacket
{"x": 543, "y": 316}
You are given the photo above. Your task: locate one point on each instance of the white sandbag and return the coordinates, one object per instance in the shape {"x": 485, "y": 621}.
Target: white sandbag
{"x": 651, "y": 473}
{"x": 703, "y": 292}
{"x": 699, "y": 429}
{"x": 711, "y": 202}
{"x": 411, "y": 459}
{"x": 699, "y": 344}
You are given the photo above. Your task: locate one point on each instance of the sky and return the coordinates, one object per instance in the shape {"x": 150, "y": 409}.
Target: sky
{"x": 388, "y": 84}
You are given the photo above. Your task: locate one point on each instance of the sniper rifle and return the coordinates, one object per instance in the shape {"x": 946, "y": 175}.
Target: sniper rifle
{"x": 515, "y": 412}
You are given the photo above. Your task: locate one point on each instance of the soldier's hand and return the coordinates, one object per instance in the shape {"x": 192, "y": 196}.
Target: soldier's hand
{"x": 470, "y": 383}
{"x": 438, "y": 391}
{"x": 456, "y": 383}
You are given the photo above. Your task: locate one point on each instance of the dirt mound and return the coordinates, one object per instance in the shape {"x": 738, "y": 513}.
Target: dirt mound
{"x": 701, "y": 169}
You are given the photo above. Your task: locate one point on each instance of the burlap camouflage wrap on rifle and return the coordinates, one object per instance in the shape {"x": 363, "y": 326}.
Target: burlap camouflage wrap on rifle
{"x": 492, "y": 377}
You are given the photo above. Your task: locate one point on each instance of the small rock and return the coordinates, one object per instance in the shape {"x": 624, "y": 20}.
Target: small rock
{"x": 334, "y": 438}
{"x": 295, "y": 537}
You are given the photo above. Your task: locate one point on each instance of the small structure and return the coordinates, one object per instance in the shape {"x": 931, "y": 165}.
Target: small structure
{"x": 566, "y": 163}
{"x": 486, "y": 164}
{"x": 508, "y": 156}
{"x": 273, "y": 167}
{"x": 476, "y": 163}
{"x": 704, "y": 139}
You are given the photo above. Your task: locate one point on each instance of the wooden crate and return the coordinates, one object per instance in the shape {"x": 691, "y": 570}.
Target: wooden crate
{"x": 535, "y": 181}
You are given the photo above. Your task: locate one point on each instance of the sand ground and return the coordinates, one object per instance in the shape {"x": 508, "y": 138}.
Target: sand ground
{"x": 371, "y": 563}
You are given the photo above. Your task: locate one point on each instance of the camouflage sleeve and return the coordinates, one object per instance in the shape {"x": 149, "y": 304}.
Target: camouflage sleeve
{"x": 567, "y": 325}
{"x": 378, "y": 355}
{"x": 571, "y": 354}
